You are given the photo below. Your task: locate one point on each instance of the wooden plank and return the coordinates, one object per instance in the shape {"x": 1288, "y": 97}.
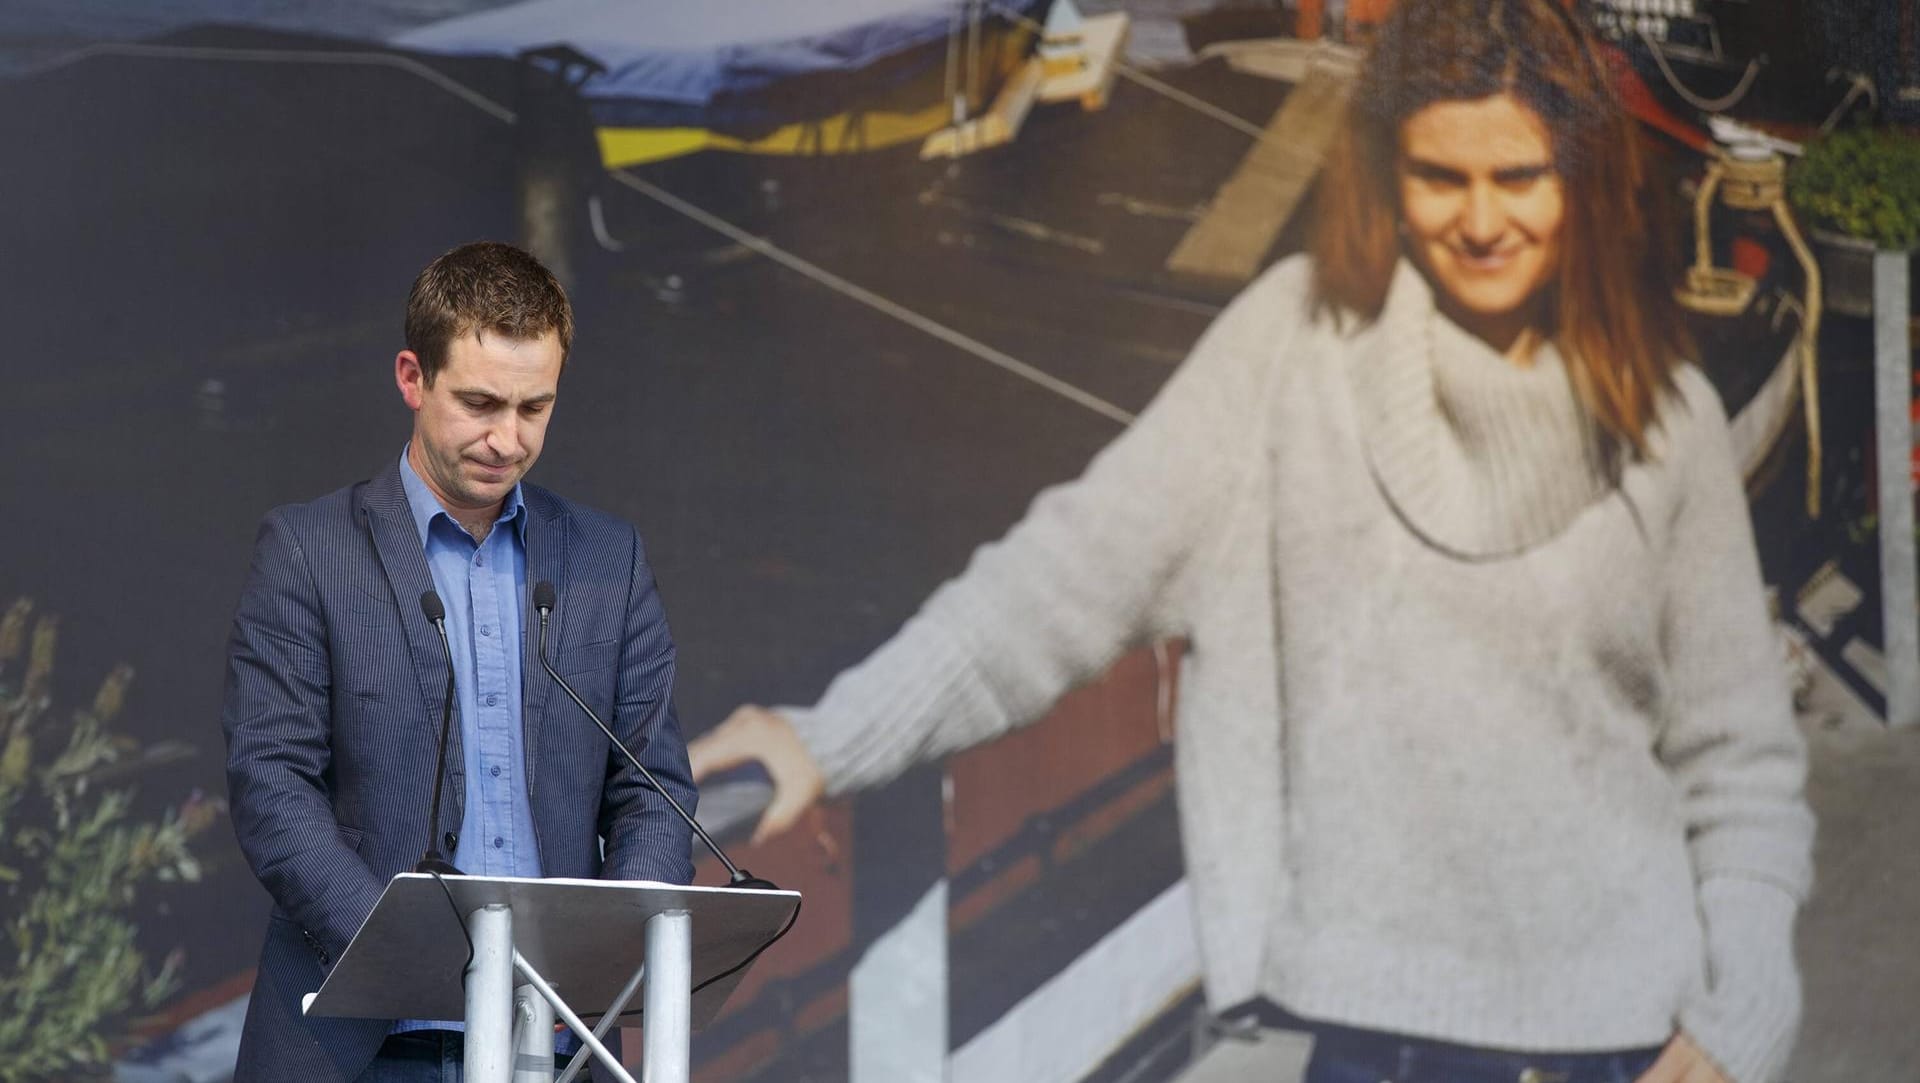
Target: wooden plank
{"x": 1231, "y": 241}
{"x": 1284, "y": 60}
{"x": 1085, "y": 72}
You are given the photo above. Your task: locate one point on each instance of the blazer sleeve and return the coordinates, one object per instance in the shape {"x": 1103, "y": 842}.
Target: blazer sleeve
{"x": 277, "y": 721}
{"x": 645, "y": 840}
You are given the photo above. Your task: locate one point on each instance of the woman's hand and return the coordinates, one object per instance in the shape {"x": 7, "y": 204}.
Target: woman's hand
{"x": 756, "y": 733}
{"x": 1683, "y": 1062}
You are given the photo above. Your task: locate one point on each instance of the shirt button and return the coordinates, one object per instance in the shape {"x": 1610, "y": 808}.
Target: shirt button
{"x": 492, "y": 699}
{"x": 480, "y": 559}
{"x": 499, "y": 842}
{"x": 496, "y": 772}
{"x": 486, "y": 629}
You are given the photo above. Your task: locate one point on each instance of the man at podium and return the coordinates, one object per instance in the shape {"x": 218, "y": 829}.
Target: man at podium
{"x": 347, "y": 711}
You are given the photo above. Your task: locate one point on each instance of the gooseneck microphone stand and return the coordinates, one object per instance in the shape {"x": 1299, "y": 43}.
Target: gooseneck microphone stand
{"x": 543, "y": 601}
{"x": 432, "y": 861}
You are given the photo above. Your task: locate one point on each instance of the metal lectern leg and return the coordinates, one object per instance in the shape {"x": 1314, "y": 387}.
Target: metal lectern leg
{"x": 588, "y": 1038}
{"x": 669, "y": 1013}
{"x": 532, "y": 1036}
{"x": 489, "y": 1057}
{"x": 607, "y": 1023}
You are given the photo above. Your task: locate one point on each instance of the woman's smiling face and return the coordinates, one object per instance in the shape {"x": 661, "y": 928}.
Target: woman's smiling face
{"x": 1482, "y": 204}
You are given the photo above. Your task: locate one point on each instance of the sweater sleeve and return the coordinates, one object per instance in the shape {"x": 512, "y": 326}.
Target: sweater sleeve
{"x": 1079, "y": 578}
{"x": 1735, "y": 754}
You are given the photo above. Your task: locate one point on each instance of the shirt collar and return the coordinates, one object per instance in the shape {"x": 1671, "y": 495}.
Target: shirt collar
{"x": 426, "y": 507}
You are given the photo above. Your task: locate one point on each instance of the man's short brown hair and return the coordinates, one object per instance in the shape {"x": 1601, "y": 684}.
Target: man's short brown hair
{"x": 484, "y": 286}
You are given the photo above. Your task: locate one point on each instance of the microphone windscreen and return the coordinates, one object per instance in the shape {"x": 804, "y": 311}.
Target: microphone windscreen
{"x": 543, "y": 595}
{"x": 430, "y": 605}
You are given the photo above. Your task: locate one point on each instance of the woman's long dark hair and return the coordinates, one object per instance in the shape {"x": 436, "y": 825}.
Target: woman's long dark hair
{"x": 1614, "y": 317}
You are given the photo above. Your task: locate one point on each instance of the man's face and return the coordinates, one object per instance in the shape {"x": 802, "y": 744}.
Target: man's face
{"x": 479, "y": 426}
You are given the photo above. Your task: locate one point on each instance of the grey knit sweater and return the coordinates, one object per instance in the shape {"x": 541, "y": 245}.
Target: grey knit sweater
{"x": 1478, "y": 739}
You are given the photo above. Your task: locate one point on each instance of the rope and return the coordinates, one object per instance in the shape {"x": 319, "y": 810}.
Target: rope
{"x": 1198, "y": 105}
{"x": 872, "y": 300}
{"x": 1706, "y": 105}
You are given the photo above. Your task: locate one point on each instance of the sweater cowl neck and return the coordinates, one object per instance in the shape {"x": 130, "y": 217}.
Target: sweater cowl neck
{"x": 1480, "y": 456}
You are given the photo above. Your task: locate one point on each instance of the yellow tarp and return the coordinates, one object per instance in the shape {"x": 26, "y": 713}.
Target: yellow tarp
{"x": 842, "y": 134}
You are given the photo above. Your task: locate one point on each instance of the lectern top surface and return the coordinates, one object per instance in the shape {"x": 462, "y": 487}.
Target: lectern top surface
{"x": 587, "y": 937}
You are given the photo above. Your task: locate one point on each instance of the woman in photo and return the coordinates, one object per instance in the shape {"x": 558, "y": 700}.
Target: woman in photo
{"x": 1487, "y": 762}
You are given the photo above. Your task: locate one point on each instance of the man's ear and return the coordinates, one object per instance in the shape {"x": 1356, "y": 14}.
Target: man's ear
{"x": 411, "y": 378}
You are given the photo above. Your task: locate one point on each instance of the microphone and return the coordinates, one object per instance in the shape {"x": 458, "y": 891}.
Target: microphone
{"x": 543, "y": 599}
{"x": 432, "y": 861}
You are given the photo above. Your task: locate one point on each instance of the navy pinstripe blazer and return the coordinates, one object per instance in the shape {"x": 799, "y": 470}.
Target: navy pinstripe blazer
{"x": 334, "y": 686}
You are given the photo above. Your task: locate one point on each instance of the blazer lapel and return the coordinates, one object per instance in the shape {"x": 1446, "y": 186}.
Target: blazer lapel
{"x": 397, "y": 542}
{"x": 547, "y": 538}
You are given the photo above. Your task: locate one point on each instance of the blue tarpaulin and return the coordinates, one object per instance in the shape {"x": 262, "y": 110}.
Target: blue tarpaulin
{"x": 693, "y": 54}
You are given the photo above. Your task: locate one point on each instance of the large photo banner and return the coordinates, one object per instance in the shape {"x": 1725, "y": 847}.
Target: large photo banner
{"x": 1199, "y": 535}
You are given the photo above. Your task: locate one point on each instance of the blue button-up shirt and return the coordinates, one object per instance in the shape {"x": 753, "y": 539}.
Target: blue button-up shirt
{"x": 484, "y": 588}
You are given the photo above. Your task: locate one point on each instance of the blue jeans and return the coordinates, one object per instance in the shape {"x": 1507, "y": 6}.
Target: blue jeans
{"x": 430, "y": 1056}
{"x": 1341, "y": 1055}
{"x": 419, "y": 1056}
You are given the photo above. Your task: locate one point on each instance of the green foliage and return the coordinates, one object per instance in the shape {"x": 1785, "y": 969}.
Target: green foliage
{"x": 1864, "y": 182}
{"x": 72, "y": 858}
